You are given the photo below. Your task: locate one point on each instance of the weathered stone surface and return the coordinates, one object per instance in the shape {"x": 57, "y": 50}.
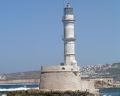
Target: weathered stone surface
{"x": 60, "y": 80}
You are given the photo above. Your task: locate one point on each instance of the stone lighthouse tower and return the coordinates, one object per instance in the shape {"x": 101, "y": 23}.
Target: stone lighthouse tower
{"x": 66, "y": 76}
{"x": 69, "y": 37}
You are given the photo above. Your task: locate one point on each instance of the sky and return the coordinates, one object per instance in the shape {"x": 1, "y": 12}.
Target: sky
{"x": 31, "y": 33}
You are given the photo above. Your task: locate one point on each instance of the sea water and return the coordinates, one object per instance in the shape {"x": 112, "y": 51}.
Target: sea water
{"x": 16, "y": 87}
{"x": 110, "y": 92}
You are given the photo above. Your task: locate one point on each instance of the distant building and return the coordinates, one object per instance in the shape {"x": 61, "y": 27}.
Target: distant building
{"x": 101, "y": 82}
{"x": 3, "y": 77}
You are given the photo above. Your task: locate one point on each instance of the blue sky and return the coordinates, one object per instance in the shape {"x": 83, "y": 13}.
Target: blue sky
{"x": 31, "y": 32}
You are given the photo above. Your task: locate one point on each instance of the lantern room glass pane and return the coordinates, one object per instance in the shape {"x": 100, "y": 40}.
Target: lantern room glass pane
{"x": 68, "y": 11}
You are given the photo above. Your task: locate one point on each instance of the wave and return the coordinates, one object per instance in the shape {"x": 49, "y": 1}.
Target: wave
{"x": 16, "y": 89}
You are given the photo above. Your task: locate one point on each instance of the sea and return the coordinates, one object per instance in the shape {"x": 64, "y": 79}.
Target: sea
{"x": 17, "y": 87}
{"x": 4, "y": 88}
{"x": 110, "y": 92}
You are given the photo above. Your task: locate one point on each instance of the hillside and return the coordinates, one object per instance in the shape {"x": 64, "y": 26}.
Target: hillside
{"x": 23, "y": 75}
{"x": 115, "y": 71}
{"x": 107, "y": 70}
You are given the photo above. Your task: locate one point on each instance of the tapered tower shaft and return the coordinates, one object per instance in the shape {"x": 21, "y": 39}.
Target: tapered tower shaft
{"x": 69, "y": 36}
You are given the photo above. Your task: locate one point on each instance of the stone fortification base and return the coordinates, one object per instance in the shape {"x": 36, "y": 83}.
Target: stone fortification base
{"x": 60, "y": 78}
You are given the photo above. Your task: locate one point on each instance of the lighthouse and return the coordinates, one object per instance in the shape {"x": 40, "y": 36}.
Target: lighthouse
{"x": 65, "y": 76}
{"x": 69, "y": 36}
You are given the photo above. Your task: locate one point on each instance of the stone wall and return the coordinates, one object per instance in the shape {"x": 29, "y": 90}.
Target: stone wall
{"x": 88, "y": 85}
{"x": 59, "y": 68}
{"x": 64, "y": 78}
{"x": 60, "y": 80}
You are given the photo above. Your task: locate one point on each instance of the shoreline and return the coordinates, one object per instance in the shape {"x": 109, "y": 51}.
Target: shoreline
{"x": 19, "y": 81}
{"x": 50, "y": 93}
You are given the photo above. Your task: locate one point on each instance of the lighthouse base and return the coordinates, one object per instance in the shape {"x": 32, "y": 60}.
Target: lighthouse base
{"x": 60, "y": 78}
